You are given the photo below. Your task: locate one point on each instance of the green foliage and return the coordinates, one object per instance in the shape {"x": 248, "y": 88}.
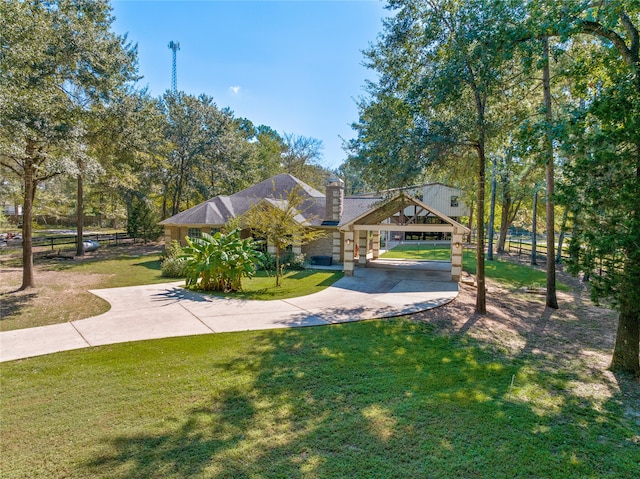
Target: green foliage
{"x": 288, "y": 261}
{"x": 219, "y": 262}
{"x": 174, "y": 265}
{"x": 59, "y": 59}
{"x": 174, "y": 250}
{"x": 142, "y": 221}
{"x": 174, "y": 268}
{"x": 209, "y": 151}
{"x": 282, "y": 223}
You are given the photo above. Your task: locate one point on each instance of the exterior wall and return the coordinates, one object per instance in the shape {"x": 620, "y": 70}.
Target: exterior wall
{"x": 178, "y": 233}
{"x": 319, "y": 247}
{"x": 439, "y": 197}
{"x": 170, "y": 233}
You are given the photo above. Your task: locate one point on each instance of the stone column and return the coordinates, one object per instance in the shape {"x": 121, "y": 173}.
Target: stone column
{"x": 349, "y": 245}
{"x": 456, "y": 255}
{"x": 363, "y": 246}
{"x": 376, "y": 244}
{"x": 337, "y": 247}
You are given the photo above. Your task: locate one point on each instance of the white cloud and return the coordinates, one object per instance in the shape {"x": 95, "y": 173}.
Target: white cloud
{"x": 234, "y": 89}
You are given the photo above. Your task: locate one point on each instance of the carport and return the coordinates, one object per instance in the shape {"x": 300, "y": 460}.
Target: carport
{"x": 400, "y": 213}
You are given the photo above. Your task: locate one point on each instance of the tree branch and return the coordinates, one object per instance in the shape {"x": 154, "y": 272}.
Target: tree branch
{"x": 597, "y": 29}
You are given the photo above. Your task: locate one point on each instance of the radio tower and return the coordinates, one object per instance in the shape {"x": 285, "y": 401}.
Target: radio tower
{"x": 174, "y": 46}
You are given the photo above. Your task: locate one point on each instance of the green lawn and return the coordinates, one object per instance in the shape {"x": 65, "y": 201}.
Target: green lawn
{"x": 126, "y": 270}
{"x": 294, "y": 284}
{"x": 419, "y": 251}
{"x": 377, "y": 399}
{"x": 510, "y": 274}
{"x": 62, "y": 294}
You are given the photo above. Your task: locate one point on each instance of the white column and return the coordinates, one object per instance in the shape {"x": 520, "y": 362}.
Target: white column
{"x": 456, "y": 255}
{"x": 349, "y": 245}
{"x": 376, "y": 244}
{"x": 363, "y": 246}
{"x": 337, "y": 247}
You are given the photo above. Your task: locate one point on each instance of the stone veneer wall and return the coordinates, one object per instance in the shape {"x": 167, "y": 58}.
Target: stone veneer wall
{"x": 319, "y": 247}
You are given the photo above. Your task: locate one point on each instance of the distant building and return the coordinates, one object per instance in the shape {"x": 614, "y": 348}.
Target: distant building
{"x": 443, "y": 198}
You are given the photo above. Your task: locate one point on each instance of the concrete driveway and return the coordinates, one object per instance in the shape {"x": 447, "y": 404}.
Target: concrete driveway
{"x": 167, "y": 310}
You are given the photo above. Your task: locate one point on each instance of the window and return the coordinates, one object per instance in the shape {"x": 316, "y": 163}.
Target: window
{"x": 194, "y": 233}
{"x": 454, "y": 201}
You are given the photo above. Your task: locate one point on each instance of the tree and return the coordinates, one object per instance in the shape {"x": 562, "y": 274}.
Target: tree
{"x": 607, "y": 133}
{"x": 280, "y": 222}
{"x": 54, "y": 56}
{"x": 142, "y": 221}
{"x": 551, "y": 298}
{"x": 440, "y": 65}
{"x": 209, "y": 154}
{"x": 301, "y": 157}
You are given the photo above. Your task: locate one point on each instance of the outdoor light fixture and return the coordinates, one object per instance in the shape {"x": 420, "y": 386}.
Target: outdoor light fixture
{"x": 348, "y": 241}
{"x": 457, "y": 244}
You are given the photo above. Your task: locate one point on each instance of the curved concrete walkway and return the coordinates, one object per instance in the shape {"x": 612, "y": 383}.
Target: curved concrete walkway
{"x": 167, "y": 310}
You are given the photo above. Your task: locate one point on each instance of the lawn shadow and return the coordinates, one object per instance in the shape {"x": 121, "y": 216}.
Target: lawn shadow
{"x": 12, "y": 303}
{"x": 154, "y": 265}
{"x": 384, "y": 399}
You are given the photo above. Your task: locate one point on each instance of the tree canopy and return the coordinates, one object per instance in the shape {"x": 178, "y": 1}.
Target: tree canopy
{"x": 534, "y": 85}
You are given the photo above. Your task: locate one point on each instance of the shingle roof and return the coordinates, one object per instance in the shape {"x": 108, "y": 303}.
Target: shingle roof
{"x": 354, "y": 207}
{"x": 219, "y": 210}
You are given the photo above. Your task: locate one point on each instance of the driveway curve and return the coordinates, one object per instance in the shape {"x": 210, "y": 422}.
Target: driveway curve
{"x": 385, "y": 289}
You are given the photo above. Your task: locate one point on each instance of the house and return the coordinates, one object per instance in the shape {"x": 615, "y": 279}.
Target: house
{"x": 352, "y": 224}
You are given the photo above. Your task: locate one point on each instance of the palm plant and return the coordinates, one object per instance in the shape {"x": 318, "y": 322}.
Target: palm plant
{"x": 218, "y": 262}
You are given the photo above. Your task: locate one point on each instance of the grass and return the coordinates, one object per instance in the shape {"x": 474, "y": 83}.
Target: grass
{"x": 294, "y": 284}
{"x": 126, "y": 270}
{"x": 397, "y": 402}
{"x": 509, "y": 274}
{"x": 62, "y": 294}
{"x": 419, "y": 251}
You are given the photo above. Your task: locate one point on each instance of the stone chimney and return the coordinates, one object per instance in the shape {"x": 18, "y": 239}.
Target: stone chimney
{"x": 335, "y": 199}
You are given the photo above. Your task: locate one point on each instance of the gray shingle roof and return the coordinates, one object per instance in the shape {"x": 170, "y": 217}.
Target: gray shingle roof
{"x": 219, "y": 210}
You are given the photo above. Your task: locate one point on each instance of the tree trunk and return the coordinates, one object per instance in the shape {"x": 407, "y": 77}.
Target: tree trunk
{"x": 27, "y": 218}
{"x": 534, "y": 234}
{"x": 504, "y": 217}
{"x": 563, "y": 227}
{"x": 80, "y": 215}
{"x": 492, "y": 210}
{"x": 278, "y": 279}
{"x": 470, "y": 225}
{"x": 552, "y": 300}
{"x": 626, "y": 351}
{"x": 481, "y": 293}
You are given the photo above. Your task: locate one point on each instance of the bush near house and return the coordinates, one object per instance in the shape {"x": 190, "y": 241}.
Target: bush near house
{"x": 174, "y": 265}
{"x": 219, "y": 262}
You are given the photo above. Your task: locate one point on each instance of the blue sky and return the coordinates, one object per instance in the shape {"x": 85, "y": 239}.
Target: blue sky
{"x": 295, "y": 66}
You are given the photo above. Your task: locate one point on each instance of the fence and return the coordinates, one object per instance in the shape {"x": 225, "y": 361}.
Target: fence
{"x": 102, "y": 238}
{"x": 525, "y": 248}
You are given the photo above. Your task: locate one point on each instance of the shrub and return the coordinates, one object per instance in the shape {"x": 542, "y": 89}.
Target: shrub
{"x": 174, "y": 268}
{"x": 288, "y": 261}
{"x": 174, "y": 250}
